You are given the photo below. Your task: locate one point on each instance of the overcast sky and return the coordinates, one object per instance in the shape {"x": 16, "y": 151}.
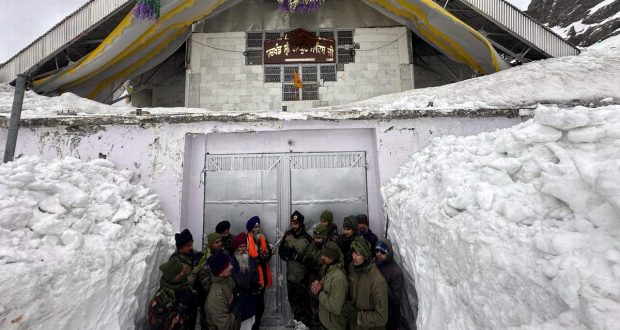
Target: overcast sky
{"x": 22, "y": 21}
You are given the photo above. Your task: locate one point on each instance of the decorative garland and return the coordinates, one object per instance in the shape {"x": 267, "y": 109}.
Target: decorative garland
{"x": 299, "y": 6}
{"x": 147, "y": 9}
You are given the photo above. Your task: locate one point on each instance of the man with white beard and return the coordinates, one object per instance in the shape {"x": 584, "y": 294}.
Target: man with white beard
{"x": 245, "y": 276}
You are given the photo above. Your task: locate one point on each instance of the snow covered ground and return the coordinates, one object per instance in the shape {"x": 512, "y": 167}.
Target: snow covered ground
{"x": 80, "y": 243}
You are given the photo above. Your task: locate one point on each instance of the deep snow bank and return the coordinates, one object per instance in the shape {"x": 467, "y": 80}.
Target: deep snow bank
{"x": 519, "y": 228}
{"x": 589, "y": 77}
{"x": 80, "y": 244}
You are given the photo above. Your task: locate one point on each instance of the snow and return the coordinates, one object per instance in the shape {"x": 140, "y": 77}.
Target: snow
{"x": 589, "y": 77}
{"x": 602, "y": 4}
{"x": 515, "y": 229}
{"x": 80, "y": 243}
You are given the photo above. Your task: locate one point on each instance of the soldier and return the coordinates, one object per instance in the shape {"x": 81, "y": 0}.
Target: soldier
{"x": 190, "y": 259}
{"x": 368, "y": 305}
{"x": 349, "y": 232}
{"x": 245, "y": 276}
{"x": 365, "y": 231}
{"x": 314, "y": 266}
{"x": 332, "y": 289}
{"x": 292, "y": 250}
{"x": 394, "y": 277}
{"x": 221, "y": 314}
{"x": 327, "y": 218}
{"x": 170, "y": 307}
{"x": 223, "y": 228}
{"x": 214, "y": 243}
{"x": 260, "y": 250}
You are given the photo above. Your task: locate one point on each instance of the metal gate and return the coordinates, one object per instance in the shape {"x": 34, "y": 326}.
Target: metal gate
{"x": 271, "y": 186}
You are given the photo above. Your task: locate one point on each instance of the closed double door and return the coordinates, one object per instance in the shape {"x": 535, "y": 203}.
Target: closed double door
{"x": 272, "y": 186}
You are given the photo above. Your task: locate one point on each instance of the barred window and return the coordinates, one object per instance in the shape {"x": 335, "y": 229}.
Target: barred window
{"x": 328, "y": 72}
{"x": 273, "y": 73}
{"x": 310, "y": 92}
{"x": 289, "y": 93}
{"x": 309, "y": 73}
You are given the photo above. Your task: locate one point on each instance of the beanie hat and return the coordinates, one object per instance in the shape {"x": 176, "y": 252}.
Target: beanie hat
{"x": 239, "y": 240}
{"x": 222, "y": 226}
{"x": 320, "y": 230}
{"x": 362, "y": 219}
{"x": 382, "y": 246}
{"x": 170, "y": 269}
{"x": 350, "y": 222}
{"x": 218, "y": 262}
{"x": 332, "y": 251}
{"x": 297, "y": 217}
{"x": 327, "y": 216}
{"x": 252, "y": 222}
{"x": 183, "y": 237}
{"x": 211, "y": 238}
{"x": 360, "y": 246}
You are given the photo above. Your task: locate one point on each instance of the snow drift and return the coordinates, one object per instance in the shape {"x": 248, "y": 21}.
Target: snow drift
{"x": 519, "y": 228}
{"x": 80, "y": 243}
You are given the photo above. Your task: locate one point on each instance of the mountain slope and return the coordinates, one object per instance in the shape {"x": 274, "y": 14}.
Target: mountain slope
{"x": 582, "y": 22}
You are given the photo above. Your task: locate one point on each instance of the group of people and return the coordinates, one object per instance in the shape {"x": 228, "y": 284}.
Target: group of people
{"x": 333, "y": 281}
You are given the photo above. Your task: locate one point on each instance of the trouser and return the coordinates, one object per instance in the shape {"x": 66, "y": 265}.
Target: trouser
{"x": 260, "y": 308}
{"x": 316, "y": 323}
{"x": 393, "y": 317}
{"x": 299, "y": 301}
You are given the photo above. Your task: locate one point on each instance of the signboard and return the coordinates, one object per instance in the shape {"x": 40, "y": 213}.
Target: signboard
{"x": 280, "y": 51}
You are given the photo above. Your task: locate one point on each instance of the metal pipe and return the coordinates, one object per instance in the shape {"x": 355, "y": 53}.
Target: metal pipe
{"x": 16, "y": 113}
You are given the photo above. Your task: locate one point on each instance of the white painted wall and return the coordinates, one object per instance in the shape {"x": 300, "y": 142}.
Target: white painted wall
{"x": 220, "y": 80}
{"x": 169, "y": 158}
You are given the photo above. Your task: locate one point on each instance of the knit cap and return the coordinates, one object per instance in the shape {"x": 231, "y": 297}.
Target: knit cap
{"x": 320, "y": 230}
{"x": 350, "y": 222}
{"x": 252, "y": 222}
{"x": 170, "y": 269}
{"x": 327, "y": 216}
{"x": 297, "y": 216}
{"x": 360, "y": 246}
{"x": 222, "y": 226}
{"x": 332, "y": 251}
{"x": 211, "y": 238}
{"x": 218, "y": 262}
{"x": 183, "y": 237}
{"x": 382, "y": 246}
{"x": 239, "y": 240}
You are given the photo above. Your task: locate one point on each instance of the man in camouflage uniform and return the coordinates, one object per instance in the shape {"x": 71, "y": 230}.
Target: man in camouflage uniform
{"x": 314, "y": 266}
{"x": 292, "y": 250}
{"x": 223, "y": 228}
{"x": 190, "y": 259}
{"x": 367, "y": 308}
{"x": 327, "y": 218}
{"x": 170, "y": 308}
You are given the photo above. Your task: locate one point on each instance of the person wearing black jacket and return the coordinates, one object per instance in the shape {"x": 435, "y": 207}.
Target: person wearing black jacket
{"x": 349, "y": 232}
{"x": 384, "y": 257}
{"x": 292, "y": 250}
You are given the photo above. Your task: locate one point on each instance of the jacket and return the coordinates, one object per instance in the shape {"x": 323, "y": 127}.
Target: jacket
{"x": 247, "y": 286}
{"x": 345, "y": 247}
{"x": 394, "y": 277}
{"x": 369, "y": 295}
{"x": 219, "y": 306}
{"x": 332, "y": 297}
{"x": 293, "y": 251}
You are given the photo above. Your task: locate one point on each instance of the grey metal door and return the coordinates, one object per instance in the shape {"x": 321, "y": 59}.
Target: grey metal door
{"x": 239, "y": 186}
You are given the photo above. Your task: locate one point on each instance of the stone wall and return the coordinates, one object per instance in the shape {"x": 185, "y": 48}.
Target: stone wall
{"x": 218, "y": 78}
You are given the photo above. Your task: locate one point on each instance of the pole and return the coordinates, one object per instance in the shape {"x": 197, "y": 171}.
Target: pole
{"x": 16, "y": 113}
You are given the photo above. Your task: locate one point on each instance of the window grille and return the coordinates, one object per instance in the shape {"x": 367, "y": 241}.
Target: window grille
{"x": 344, "y": 43}
{"x": 310, "y": 92}
{"x": 288, "y": 73}
{"x": 273, "y": 73}
{"x": 328, "y": 72}
{"x": 309, "y": 73}
{"x": 289, "y": 93}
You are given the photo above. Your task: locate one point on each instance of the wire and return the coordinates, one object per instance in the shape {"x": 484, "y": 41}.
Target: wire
{"x": 224, "y": 50}
{"x": 393, "y": 41}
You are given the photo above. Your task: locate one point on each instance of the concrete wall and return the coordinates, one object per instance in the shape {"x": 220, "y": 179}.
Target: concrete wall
{"x": 166, "y": 84}
{"x": 169, "y": 158}
{"x": 219, "y": 80}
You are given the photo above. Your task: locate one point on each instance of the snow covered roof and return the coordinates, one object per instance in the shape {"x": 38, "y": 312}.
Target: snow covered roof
{"x": 589, "y": 78}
